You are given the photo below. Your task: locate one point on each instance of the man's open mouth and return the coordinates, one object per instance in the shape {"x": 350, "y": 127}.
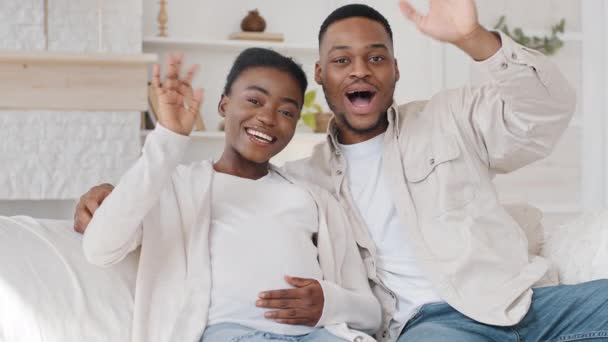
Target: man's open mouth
{"x": 259, "y": 136}
{"x": 360, "y": 98}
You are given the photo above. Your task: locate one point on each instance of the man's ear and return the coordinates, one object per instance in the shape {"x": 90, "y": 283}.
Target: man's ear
{"x": 318, "y": 78}
{"x": 221, "y": 106}
{"x": 397, "y": 75}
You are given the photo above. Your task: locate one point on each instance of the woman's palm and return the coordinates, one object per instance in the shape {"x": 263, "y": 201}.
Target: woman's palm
{"x": 178, "y": 103}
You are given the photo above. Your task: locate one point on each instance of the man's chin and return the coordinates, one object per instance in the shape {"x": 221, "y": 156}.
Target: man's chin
{"x": 362, "y": 124}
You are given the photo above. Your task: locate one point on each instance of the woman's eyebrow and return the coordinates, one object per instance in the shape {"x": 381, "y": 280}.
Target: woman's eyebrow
{"x": 266, "y": 92}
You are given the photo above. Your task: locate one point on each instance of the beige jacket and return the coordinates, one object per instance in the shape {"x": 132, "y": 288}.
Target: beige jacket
{"x": 165, "y": 208}
{"x": 440, "y": 157}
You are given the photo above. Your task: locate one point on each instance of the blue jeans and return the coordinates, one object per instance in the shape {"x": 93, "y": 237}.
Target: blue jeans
{"x": 228, "y": 332}
{"x": 558, "y": 313}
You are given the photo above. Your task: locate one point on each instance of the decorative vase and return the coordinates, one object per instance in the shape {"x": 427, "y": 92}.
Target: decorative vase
{"x": 253, "y": 22}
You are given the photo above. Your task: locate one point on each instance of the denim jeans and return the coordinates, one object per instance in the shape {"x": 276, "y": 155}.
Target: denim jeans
{"x": 228, "y": 332}
{"x": 558, "y": 313}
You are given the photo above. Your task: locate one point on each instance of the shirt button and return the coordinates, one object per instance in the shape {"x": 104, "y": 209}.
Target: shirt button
{"x": 358, "y": 339}
{"x": 504, "y": 66}
{"x": 384, "y": 334}
{"x": 339, "y": 172}
{"x": 338, "y": 152}
{"x": 432, "y": 161}
{"x": 514, "y": 55}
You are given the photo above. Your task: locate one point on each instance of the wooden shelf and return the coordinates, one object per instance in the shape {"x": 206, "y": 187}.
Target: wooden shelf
{"x": 236, "y": 45}
{"x": 73, "y": 81}
{"x": 9, "y": 56}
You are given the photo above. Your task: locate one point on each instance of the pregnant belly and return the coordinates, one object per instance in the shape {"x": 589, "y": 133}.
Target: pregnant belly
{"x": 239, "y": 277}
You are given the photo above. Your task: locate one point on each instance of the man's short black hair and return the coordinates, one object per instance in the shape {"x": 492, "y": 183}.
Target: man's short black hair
{"x": 259, "y": 57}
{"x": 352, "y": 11}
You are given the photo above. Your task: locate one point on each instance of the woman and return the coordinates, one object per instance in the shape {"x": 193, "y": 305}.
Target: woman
{"x": 215, "y": 233}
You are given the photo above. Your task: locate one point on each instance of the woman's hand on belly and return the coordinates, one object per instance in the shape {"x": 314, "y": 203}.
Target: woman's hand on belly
{"x": 302, "y": 305}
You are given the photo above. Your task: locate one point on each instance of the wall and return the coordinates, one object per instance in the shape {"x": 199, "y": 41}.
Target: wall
{"x": 72, "y": 26}
{"x": 426, "y": 67}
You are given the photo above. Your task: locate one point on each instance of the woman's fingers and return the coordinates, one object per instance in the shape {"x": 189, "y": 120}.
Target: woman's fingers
{"x": 172, "y": 73}
{"x": 194, "y": 103}
{"x": 190, "y": 74}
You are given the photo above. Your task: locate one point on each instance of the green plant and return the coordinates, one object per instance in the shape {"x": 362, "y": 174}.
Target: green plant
{"x": 310, "y": 109}
{"x": 547, "y": 44}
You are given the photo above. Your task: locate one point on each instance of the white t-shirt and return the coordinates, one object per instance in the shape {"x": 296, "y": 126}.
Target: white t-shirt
{"x": 396, "y": 265}
{"x": 261, "y": 231}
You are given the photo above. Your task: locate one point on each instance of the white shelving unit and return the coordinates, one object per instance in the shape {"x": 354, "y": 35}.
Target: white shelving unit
{"x": 229, "y": 45}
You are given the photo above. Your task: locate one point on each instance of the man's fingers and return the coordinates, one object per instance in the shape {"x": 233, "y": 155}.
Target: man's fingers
{"x": 92, "y": 205}
{"x": 288, "y": 314}
{"x": 95, "y": 197}
{"x": 299, "y": 282}
{"x": 410, "y": 12}
{"x": 82, "y": 217}
{"x": 282, "y": 303}
{"x": 296, "y": 321}
{"x": 282, "y": 294}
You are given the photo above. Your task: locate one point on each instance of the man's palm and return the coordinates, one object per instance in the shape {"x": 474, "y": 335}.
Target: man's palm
{"x": 447, "y": 20}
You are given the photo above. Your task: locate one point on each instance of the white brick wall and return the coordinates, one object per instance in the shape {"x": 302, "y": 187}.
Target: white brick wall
{"x": 73, "y": 25}
{"x": 22, "y": 24}
{"x": 56, "y": 149}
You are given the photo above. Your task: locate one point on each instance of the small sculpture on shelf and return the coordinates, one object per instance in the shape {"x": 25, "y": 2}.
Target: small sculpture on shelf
{"x": 253, "y": 22}
{"x": 253, "y": 27}
{"x": 163, "y": 18}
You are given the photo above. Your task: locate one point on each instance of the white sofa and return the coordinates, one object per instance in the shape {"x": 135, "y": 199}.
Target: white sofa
{"x": 49, "y": 293}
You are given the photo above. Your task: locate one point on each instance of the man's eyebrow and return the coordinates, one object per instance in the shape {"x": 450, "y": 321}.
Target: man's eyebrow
{"x": 370, "y": 46}
{"x": 339, "y": 47}
{"x": 378, "y": 46}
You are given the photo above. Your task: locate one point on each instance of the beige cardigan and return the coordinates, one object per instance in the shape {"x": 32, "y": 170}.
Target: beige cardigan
{"x": 165, "y": 208}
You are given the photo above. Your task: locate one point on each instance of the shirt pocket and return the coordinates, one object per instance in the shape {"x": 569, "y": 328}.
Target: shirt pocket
{"x": 439, "y": 177}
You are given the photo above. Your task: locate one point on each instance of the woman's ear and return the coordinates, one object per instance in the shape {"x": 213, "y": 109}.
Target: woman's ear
{"x": 221, "y": 106}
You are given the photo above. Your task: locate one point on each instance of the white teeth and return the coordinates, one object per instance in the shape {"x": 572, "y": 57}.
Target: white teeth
{"x": 260, "y": 135}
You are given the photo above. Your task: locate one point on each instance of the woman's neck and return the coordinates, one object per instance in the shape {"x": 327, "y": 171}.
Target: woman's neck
{"x": 240, "y": 167}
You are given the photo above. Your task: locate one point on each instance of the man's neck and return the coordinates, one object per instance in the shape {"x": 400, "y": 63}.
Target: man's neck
{"x": 348, "y": 136}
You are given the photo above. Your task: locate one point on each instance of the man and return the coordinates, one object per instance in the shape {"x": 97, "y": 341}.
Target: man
{"x": 444, "y": 258}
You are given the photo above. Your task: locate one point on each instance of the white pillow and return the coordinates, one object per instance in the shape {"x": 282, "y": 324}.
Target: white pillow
{"x": 48, "y": 291}
{"x": 579, "y": 248}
